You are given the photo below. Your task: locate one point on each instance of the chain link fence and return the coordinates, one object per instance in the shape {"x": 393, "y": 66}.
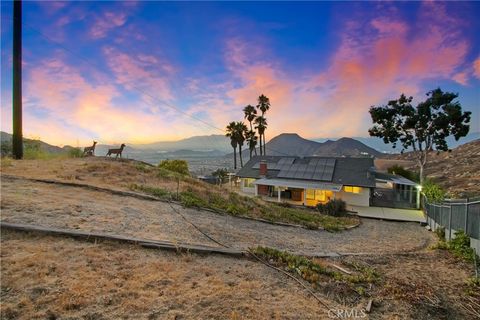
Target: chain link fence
{"x": 455, "y": 215}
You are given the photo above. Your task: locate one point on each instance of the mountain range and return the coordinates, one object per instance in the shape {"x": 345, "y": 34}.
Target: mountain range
{"x": 293, "y": 144}
{"x": 286, "y": 143}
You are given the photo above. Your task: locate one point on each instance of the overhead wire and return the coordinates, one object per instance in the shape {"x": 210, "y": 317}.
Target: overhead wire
{"x": 133, "y": 86}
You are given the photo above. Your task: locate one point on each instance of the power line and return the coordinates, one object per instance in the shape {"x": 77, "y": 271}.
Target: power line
{"x": 86, "y": 60}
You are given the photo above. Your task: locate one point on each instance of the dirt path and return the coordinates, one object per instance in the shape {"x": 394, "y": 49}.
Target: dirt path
{"x": 76, "y": 208}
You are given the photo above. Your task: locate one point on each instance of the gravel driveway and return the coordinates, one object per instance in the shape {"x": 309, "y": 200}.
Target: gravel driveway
{"x": 76, "y": 208}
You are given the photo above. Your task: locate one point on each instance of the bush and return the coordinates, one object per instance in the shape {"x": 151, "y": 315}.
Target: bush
{"x": 6, "y": 149}
{"x": 33, "y": 151}
{"x": 334, "y": 207}
{"x": 220, "y": 174}
{"x": 178, "y": 166}
{"x": 401, "y": 171}
{"x": 75, "y": 153}
{"x": 433, "y": 192}
{"x": 460, "y": 246}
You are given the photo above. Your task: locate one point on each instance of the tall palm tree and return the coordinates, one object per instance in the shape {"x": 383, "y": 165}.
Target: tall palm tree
{"x": 240, "y": 128}
{"x": 252, "y": 141}
{"x": 263, "y": 105}
{"x": 261, "y": 125}
{"x": 231, "y": 132}
{"x": 250, "y": 115}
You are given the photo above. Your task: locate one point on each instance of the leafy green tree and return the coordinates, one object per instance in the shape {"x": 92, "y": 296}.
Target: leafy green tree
{"x": 422, "y": 128}
{"x": 179, "y": 166}
{"x": 231, "y": 133}
{"x": 220, "y": 174}
{"x": 263, "y": 105}
{"x": 401, "y": 171}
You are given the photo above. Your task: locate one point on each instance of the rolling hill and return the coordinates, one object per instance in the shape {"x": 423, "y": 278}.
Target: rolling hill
{"x": 294, "y": 145}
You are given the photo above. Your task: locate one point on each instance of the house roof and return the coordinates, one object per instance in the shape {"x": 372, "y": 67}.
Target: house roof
{"x": 337, "y": 170}
{"x": 394, "y": 178}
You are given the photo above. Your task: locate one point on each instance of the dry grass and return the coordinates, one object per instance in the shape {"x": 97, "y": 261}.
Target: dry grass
{"x": 51, "y": 277}
{"x": 47, "y": 277}
{"x": 129, "y": 174}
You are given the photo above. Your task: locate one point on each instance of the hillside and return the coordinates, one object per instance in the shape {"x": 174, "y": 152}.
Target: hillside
{"x": 7, "y": 138}
{"x": 196, "y": 143}
{"x": 293, "y": 144}
{"x": 458, "y": 171}
{"x": 378, "y": 144}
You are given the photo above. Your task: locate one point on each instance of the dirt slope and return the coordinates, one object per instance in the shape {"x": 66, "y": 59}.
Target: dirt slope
{"x": 458, "y": 171}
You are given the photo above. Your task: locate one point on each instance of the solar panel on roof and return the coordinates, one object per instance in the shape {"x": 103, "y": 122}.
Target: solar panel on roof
{"x": 307, "y": 175}
{"x": 286, "y": 160}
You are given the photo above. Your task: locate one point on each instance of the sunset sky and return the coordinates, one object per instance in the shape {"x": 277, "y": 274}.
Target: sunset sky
{"x": 138, "y": 72}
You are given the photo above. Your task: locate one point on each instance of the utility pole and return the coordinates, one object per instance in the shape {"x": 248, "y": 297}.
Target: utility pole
{"x": 17, "y": 140}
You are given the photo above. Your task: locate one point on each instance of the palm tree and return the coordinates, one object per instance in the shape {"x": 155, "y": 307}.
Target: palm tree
{"x": 261, "y": 125}
{"x": 250, "y": 115}
{"x": 231, "y": 132}
{"x": 263, "y": 105}
{"x": 252, "y": 141}
{"x": 240, "y": 128}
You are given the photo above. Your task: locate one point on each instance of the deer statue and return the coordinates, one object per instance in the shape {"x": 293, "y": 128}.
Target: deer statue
{"x": 89, "y": 151}
{"x": 118, "y": 152}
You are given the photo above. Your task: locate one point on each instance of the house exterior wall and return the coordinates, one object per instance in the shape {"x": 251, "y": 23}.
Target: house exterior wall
{"x": 247, "y": 189}
{"x": 263, "y": 190}
{"x": 355, "y": 199}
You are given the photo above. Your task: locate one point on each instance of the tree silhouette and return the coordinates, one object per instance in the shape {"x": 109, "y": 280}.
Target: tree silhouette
{"x": 231, "y": 132}
{"x": 250, "y": 114}
{"x": 423, "y": 127}
{"x": 263, "y": 105}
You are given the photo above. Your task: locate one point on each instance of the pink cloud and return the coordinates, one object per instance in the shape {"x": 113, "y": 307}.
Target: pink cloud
{"x": 75, "y": 110}
{"x": 106, "y": 22}
{"x": 461, "y": 78}
{"x": 144, "y": 72}
{"x": 476, "y": 68}
{"x": 369, "y": 67}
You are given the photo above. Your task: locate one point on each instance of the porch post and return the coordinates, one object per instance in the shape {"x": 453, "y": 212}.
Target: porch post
{"x": 418, "y": 197}
{"x": 279, "y": 193}
{"x": 304, "y": 197}
{"x": 256, "y": 190}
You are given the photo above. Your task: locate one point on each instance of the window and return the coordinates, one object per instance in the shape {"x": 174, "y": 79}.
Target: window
{"x": 319, "y": 195}
{"x": 310, "y": 194}
{"x": 248, "y": 183}
{"x": 352, "y": 189}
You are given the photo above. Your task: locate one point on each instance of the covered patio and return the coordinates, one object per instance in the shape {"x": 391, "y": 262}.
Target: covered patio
{"x": 308, "y": 193}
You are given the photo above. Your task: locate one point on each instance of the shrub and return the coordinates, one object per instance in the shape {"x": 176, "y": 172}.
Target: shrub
{"x": 190, "y": 199}
{"x": 75, "y": 153}
{"x": 179, "y": 166}
{"x": 401, "y": 171}
{"x": 32, "y": 150}
{"x": 334, "y": 207}
{"x": 432, "y": 191}
{"x": 460, "y": 246}
{"x": 6, "y": 148}
{"x": 220, "y": 174}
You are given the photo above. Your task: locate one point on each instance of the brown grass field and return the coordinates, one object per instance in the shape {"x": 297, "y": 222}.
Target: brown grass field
{"x": 46, "y": 277}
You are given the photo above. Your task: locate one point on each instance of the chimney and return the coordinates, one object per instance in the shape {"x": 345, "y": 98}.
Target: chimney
{"x": 263, "y": 168}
